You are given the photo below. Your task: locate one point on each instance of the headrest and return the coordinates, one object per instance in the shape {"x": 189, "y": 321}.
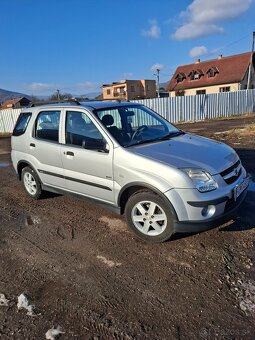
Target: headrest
{"x": 107, "y": 120}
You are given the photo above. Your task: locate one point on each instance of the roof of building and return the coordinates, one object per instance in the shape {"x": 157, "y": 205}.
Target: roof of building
{"x": 14, "y": 101}
{"x": 123, "y": 82}
{"x": 226, "y": 70}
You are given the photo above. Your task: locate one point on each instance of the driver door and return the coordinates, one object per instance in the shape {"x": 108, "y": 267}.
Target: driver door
{"x": 87, "y": 163}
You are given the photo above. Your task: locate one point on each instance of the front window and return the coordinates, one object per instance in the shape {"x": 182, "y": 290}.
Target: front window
{"x": 133, "y": 125}
{"x": 82, "y": 132}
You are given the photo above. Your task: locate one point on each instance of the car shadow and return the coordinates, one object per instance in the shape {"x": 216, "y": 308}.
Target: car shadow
{"x": 246, "y": 215}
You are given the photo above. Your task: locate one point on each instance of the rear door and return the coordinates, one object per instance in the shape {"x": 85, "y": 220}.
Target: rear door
{"x": 87, "y": 157}
{"x": 44, "y": 148}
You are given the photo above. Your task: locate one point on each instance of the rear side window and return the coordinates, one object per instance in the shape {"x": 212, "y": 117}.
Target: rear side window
{"x": 47, "y": 125}
{"x": 22, "y": 124}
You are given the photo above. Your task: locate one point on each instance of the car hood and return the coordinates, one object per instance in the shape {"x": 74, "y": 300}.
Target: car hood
{"x": 189, "y": 151}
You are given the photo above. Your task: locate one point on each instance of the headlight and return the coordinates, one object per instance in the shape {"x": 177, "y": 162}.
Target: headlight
{"x": 202, "y": 180}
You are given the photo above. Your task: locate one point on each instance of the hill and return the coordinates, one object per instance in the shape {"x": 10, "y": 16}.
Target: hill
{"x": 5, "y": 95}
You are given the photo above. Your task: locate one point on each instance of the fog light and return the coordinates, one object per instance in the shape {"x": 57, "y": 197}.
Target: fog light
{"x": 208, "y": 211}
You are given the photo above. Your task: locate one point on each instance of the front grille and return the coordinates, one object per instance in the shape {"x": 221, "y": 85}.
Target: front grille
{"x": 231, "y": 174}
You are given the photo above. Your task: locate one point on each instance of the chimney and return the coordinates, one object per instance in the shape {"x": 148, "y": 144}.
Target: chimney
{"x": 219, "y": 56}
{"x": 197, "y": 61}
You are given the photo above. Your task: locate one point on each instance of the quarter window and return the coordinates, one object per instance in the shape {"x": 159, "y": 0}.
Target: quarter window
{"x": 47, "y": 125}
{"x": 22, "y": 124}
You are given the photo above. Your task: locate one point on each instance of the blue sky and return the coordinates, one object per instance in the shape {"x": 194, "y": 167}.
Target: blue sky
{"x": 78, "y": 45}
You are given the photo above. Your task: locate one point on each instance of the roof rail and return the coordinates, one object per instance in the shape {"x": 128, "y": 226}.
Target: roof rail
{"x": 72, "y": 100}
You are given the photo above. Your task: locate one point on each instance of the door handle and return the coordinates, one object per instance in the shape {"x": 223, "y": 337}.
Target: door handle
{"x": 69, "y": 153}
{"x": 32, "y": 145}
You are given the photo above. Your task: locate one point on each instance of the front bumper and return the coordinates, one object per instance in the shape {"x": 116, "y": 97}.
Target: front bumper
{"x": 230, "y": 212}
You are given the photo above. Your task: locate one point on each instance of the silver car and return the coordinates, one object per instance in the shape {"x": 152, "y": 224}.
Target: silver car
{"x": 127, "y": 157}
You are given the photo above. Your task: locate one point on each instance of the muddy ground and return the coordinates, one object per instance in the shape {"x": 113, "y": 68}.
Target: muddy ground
{"x": 85, "y": 271}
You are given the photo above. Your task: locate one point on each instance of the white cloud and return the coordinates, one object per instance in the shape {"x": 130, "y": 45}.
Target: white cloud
{"x": 40, "y": 87}
{"x": 201, "y": 17}
{"x": 154, "y": 30}
{"x": 198, "y": 51}
{"x": 85, "y": 86}
{"x": 193, "y": 30}
{"x": 44, "y": 88}
{"x": 156, "y": 67}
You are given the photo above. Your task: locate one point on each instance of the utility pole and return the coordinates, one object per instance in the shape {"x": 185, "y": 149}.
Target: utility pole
{"x": 158, "y": 70}
{"x": 249, "y": 84}
{"x": 58, "y": 95}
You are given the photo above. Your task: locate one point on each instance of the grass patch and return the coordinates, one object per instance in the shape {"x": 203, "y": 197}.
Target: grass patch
{"x": 5, "y": 134}
{"x": 247, "y": 131}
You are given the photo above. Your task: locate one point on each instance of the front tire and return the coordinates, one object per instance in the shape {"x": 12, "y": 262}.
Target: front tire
{"x": 149, "y": 216}
{"x": 31, "y": 182}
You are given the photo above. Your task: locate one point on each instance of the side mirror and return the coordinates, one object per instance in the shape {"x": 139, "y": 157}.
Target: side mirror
{"x": 95, "y": 144}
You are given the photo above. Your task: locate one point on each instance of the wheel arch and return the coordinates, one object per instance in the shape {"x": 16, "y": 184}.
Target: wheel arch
{"x": 21, "y": 165}
{"x": 131, "y": 188}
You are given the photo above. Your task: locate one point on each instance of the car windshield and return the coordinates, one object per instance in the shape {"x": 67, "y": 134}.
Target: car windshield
{"x": 136, "y": 124}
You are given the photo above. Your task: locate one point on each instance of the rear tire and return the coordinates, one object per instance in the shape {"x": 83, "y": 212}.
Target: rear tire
{"x": 149, "y": 216}
{"x": 31, "y": 182}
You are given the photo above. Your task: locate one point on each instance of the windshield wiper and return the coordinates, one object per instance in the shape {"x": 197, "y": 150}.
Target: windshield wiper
{"x": 171, "y": 134}
{"x": 166, "y": 137}
{"x": 142, "y": 142}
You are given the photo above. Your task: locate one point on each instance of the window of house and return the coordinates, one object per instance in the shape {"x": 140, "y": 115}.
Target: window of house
{"x": 180, "y": 93}
{"x": 180, "y": 77}
{"x": 225, "y": 89}
{"x": 194, "y": 76}
{"x": 148, "y": 87}
{"x": 108, "y": 91}
{"x": 211, "y": 73}
{"x": 132, "y": 88}
{"x": 201, "y": 92}
{"x": 47, "y": 125}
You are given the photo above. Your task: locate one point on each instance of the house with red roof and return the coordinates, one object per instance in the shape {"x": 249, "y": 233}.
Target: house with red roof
{"x": 223, "y": 74}
{"x": 15, "y": 103}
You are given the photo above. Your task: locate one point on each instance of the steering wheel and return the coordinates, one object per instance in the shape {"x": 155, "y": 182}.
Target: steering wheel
{"x": 138, "y": 131}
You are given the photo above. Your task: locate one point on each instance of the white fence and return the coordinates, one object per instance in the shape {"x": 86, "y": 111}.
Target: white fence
{"x": 178, "y": 109}
{"x": 8, "y": 119}
{"x": 201, "y": 107}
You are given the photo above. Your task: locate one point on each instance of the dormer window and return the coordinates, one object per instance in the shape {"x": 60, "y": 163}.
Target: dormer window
{"x": 212, "y": 72}
{"x": 196, "y": 74}
{"x": 180, "y": 77}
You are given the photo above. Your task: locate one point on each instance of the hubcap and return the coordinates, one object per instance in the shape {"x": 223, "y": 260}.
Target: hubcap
{"x": 30, "y": 183}
{"x": 149, "y": 218}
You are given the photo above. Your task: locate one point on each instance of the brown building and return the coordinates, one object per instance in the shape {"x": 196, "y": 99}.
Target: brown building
{"x": 223, "y": 74}
{"x": 16, "y": 103}
{"x": 130, "y": 89}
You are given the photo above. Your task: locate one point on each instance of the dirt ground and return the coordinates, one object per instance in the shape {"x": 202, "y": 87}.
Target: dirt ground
{"x": 85, "y": 271}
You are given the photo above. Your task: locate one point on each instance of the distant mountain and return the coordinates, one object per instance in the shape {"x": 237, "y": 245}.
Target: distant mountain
{"x": 163, "y": 85}
{"x": 91, "y": 95}
{"x": 5, "y": 95}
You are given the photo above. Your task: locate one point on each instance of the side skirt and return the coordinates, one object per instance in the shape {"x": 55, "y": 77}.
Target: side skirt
{"x": 104, "y": 205}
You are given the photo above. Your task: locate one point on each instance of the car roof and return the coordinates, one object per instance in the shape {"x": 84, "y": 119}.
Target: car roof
{"x": 88, "y": 104}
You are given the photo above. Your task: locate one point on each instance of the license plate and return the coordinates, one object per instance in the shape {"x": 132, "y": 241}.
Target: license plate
{"x": 240, "y": 188}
